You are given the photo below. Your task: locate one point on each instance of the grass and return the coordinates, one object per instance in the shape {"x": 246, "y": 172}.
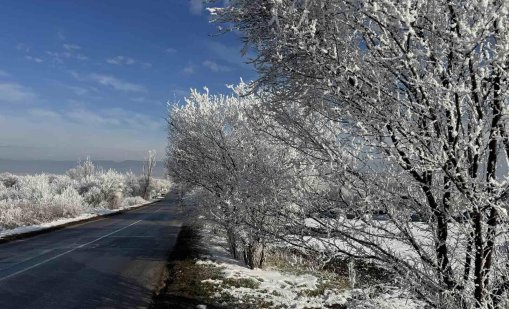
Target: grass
{"x": 187, "y": 277}
{"x": 190, "y": 283}
{"x": 367, "y": 274}
{"x": 241, "y": 283}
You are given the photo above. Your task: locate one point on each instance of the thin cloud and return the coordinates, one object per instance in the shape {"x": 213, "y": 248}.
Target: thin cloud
{"x": 81, "y": 57}
{"x": 16, "y": 93}
{"x": 89, "y": 117}
{"x": 171, "y": 50}
{"x": 61, "y": 35}
{"x": 72, "y": 133}
{"x": 34, "y": 59}
{"x": 115, "y": 83}
{"x": 23, "y": 47}
{"x": 189, "y": 69}
{"x": 80, "y": 91}
{"x": 4, "y": 73}
{"x": 59, "y": 57}
{"x": 71, "y": 47}
{"x": 229, "y": 54}
{"x": 196, "y": 7}
{"x": 139, "y": 99}
{"x": 43, "y": 113}
{"x": 214, "y": 67}
{"x": 121, "y": 60}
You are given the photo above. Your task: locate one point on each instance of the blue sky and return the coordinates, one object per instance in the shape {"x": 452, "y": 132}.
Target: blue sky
{"x": 92, "y": 78}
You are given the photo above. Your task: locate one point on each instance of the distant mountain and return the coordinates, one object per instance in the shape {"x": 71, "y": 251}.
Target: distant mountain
{"x": 23, "y": 167}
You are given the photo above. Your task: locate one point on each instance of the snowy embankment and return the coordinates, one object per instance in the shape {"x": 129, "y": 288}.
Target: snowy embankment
{"x": 20, "y": 231}
{"x": 294, "y": 287}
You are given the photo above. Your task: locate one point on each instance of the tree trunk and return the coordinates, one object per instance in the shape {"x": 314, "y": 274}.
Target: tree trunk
{"x": 232, "y": 242}
{"x": 254, "y": 255}
{"x": 479, "y": 259}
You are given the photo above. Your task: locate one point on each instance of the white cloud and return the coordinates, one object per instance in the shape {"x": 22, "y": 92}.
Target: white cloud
{"x": 146, "y": 65}
{"x": 43, "y": 113}
{"x": 16, "y": 93}
{"x": 115, "y": 83}
{"x": 196, "y": 7}
{"x": 120, "y": 60}
{"x": 214, "y": 67}
{"x": 171, "y": 50}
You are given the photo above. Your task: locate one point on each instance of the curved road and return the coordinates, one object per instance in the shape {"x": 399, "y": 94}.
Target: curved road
{"x": 112, "y": 262}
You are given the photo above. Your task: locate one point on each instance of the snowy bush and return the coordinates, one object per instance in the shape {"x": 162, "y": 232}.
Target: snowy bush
{"x": 35, "y": 199}
{"x": 83, "y": 170}
{"x": 159, "y": 186}
{"x": 37, "y": 206}
{"x": 131, "y": 201}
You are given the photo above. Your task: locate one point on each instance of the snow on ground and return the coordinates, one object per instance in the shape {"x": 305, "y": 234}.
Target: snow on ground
{"x": 43, "y": 226}
{"x": 279, "y": 288}
{"x": 297, "y": 290}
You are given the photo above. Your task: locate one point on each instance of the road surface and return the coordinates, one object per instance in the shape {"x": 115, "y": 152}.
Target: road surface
{"x": 113, "y": 262}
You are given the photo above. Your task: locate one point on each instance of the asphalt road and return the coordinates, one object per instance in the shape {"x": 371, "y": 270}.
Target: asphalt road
{"x": 113, "y": 262}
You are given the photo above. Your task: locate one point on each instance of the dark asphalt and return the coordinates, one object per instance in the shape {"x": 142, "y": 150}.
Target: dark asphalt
{"x": 114, "y": 262}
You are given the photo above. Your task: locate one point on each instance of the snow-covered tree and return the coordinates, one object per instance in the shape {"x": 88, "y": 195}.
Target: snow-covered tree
{"x": 82, "y": 170}
{"x": 239, "y": 175}
{"x": 402, "y": 106}
{"x": 148, "y": 167}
